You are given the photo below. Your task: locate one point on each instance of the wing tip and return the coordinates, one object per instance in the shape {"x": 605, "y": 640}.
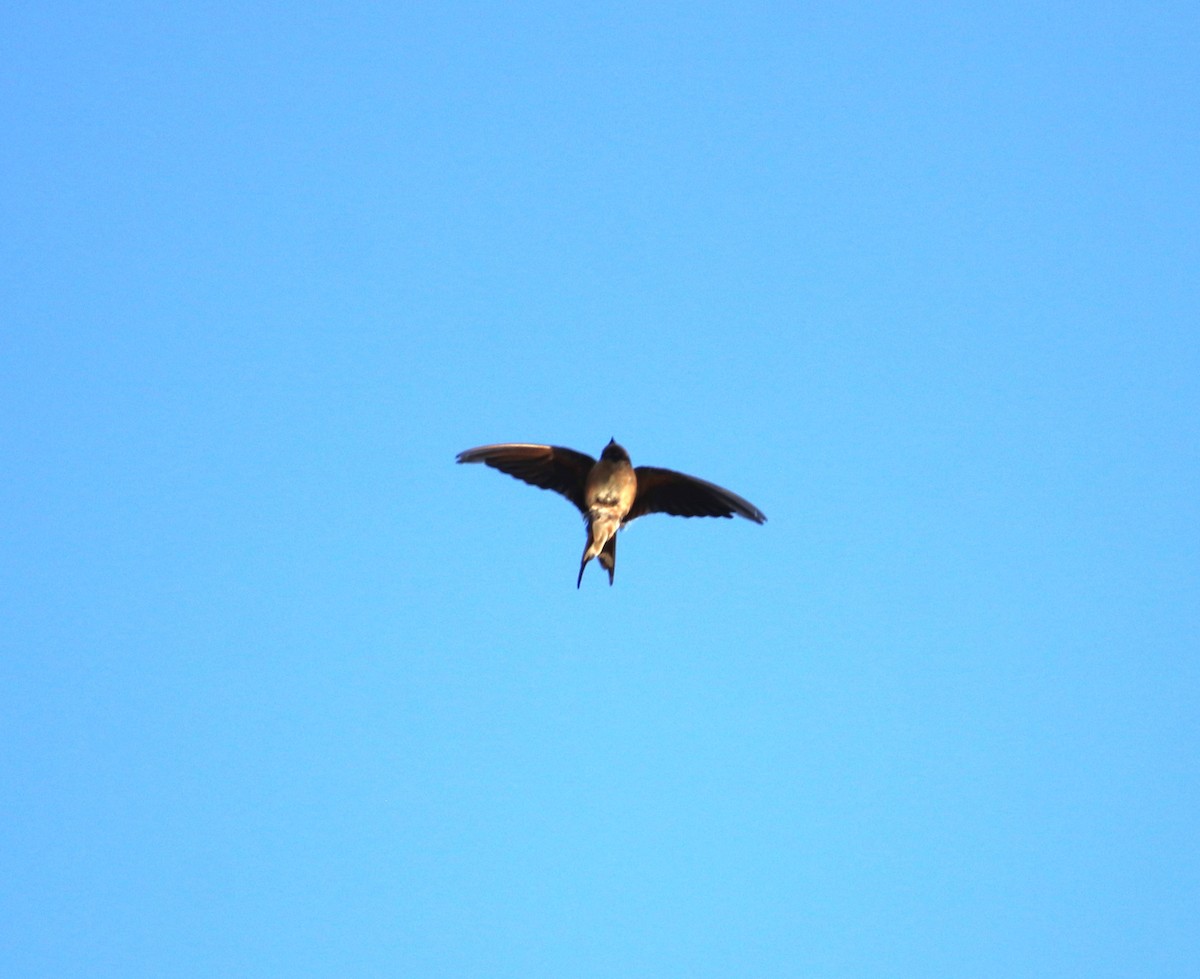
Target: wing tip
{"x": 499, "y": 450}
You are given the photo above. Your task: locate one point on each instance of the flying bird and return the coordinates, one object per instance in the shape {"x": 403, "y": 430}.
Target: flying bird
{"x": 610, "y": 493}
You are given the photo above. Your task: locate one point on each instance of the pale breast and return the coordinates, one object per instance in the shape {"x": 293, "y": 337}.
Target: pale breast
{"x": 611, "y": 485}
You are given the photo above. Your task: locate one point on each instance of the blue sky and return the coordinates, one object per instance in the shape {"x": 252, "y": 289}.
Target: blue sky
{"x": 288, "y": 693}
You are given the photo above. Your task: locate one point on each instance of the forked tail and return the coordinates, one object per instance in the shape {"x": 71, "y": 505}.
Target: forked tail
{"x": 607, "y": 556}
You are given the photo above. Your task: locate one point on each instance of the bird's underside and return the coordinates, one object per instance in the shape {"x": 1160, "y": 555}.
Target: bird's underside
{"x": 610, "y": 492}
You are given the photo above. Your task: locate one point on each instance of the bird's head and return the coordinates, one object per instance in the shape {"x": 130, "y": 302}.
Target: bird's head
{"x": 614, "y": 453}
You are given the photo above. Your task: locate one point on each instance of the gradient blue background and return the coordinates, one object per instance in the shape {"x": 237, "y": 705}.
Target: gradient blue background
{"x": 287, "y": 693}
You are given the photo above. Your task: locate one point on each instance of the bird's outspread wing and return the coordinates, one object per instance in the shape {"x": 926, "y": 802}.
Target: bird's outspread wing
{"x": 546, "y": 466}
{"x": 666, "y": 491}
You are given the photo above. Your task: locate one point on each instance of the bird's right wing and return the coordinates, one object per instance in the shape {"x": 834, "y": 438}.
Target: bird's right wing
{"x": 666, "y": 491}
{"x": 546, "y": 466}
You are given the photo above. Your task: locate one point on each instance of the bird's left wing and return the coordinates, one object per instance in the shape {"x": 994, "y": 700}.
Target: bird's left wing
{"x": 546, "y": 466}
{"x": 666, "y": 491}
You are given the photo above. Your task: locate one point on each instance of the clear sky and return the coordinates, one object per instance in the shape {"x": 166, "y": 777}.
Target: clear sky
{"x": 288, "y": 693}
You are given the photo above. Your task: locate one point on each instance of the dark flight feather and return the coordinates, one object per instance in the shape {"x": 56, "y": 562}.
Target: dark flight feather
{"x": 667, "y": 491}
{"x": 549, "y": 467}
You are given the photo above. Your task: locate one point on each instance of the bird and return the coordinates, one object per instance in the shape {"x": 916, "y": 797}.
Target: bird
{"x": 610, "y": 492}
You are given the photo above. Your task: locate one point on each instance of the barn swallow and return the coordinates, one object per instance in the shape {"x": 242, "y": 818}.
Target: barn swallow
{"x": 610, "y": 493}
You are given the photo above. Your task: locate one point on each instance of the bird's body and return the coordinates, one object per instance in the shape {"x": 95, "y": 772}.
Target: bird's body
{"x": 610, "y": 492}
